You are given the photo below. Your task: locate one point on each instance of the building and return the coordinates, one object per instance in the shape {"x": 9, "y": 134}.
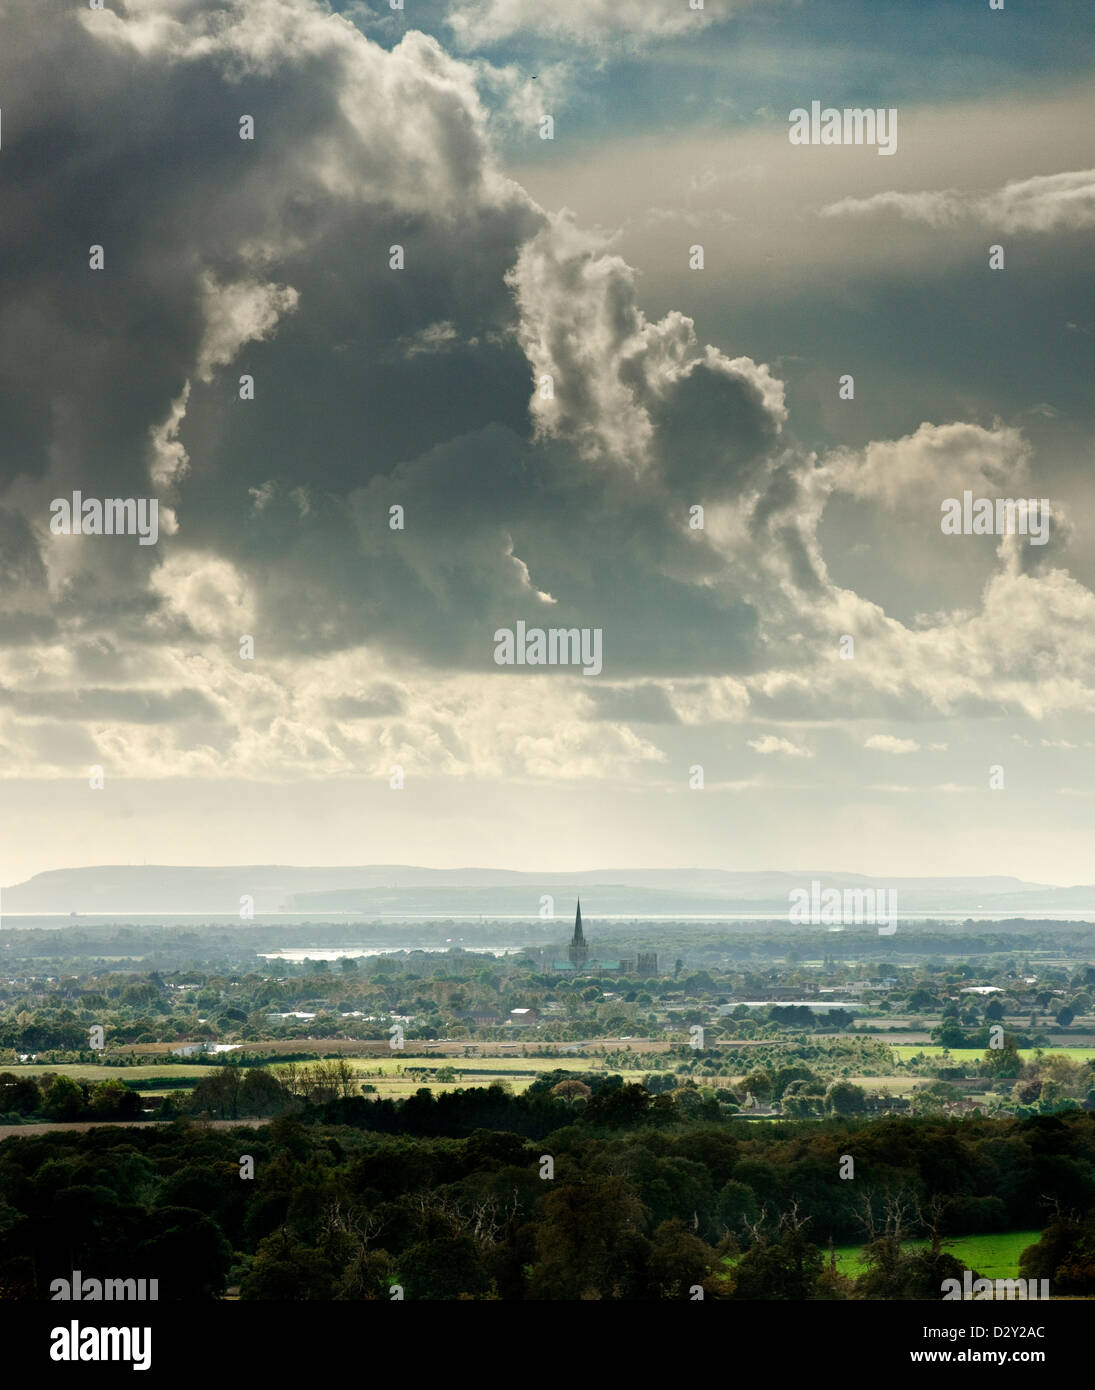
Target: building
{"x": 525, "y": 1017}
{"x": 579, "y": 950}
{"x": 580, "y": 960}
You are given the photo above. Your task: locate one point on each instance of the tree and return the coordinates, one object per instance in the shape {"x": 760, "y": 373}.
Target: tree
{"x": 588, "y": 1242}
{"x": 262, "y": 1094}
{"x": 1065, "y": 1016}
{"x": 949, "y": 1035}
{"x": 1003, "y": 1062}
{"x": 1065, "y": 1255}
{"x": 218, "y": 1094}
{"x": 845, "y": 1098}
{"x": 193, "y": 1186}
{"x": 447, "y": 1267}
{"x": 65, "y": 1099}
{"x": 893, "y": 1273}
{"x": 678, "y": 1260}
{"x": 736, "y": 1206}
{"x": 622, "y": 1107}
{"x": 191, "y": 1252}
{"x": 284, "y": 1271}
{"x": 783, "y": 1270}
{"x": 113, "y": 1100}
{"x": 571, "y": 1090}
{"x": 758, "y": 1083}
{"x": 18, "y": 1094}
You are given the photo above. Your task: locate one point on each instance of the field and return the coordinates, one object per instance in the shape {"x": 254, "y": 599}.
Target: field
{"x": 92, "y": 1071}
{"x": 403, "y": 1076}
{"x": 393, "y": 1076}
{"x": 902, "y": 1053}
{"x": 994, "y": 1256}
{"x": 896, "y": 1085}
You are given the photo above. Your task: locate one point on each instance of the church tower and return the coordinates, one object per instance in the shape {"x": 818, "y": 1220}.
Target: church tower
{"x": 579, "y": 949}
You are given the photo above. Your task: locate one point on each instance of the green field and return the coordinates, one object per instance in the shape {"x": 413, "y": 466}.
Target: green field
{"x": 993, "y": 1256}
{"x": 92, "y": 1071}
{"x": 903, "y": 1051}
{"x": 393, "y": 1076}
{"x": 390, "y": 1075}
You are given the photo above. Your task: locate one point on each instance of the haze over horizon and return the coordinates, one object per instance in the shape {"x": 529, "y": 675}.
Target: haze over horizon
{"x": 392, "y": 890}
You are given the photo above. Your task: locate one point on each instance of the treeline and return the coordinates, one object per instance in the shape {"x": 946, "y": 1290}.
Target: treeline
{"x": 614, "y": 1211}
{"x": 53, "y": 1096}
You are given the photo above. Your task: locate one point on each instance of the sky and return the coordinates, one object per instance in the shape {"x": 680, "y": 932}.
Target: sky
{"x": 602, "y": 385}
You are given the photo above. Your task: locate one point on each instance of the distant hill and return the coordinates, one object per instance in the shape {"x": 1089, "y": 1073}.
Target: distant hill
{"x": 384, "y": 889}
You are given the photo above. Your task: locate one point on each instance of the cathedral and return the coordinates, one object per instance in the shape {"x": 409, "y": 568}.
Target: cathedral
{"x": 579, "y": 960}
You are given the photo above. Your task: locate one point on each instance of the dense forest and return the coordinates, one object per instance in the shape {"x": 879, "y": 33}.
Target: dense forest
{"x": 482, "y": 1194}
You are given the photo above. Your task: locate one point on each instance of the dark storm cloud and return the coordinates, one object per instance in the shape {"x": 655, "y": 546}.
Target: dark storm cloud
{"x": 21, "y": 565}
{"x": 271, "y": 258}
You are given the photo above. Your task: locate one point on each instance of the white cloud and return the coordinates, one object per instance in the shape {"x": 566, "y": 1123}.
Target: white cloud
{"x": 1045, "y": 203}
{"x": 888, "y": 743}
{"x": 261, "y": 497}
{"x": 435, "y": 337}
{"x": 600, "y": 23}
{"x": 207, "y": 594}
{"x": 611, "y": 368}
{"x": 935, "y": 462}
{"x": 937, "y": 209}
{"x": 770, "y": 743}
{"x": 235, "y": 314}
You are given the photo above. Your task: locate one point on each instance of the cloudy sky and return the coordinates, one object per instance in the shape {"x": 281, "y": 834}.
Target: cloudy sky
{"x": 674, "y": 388}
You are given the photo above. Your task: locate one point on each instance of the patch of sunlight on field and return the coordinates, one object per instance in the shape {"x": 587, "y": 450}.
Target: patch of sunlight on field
{"x": 495, "y": 1063}
{"x": 91, "y": 1071}
{"x": 904, "y": 1051}
{"x": 896, "y": 1085}
{"x": 993, "y": 1256}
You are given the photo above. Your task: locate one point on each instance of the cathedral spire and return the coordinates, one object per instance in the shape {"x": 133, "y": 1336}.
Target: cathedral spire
{"x": 579, "y": 950}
